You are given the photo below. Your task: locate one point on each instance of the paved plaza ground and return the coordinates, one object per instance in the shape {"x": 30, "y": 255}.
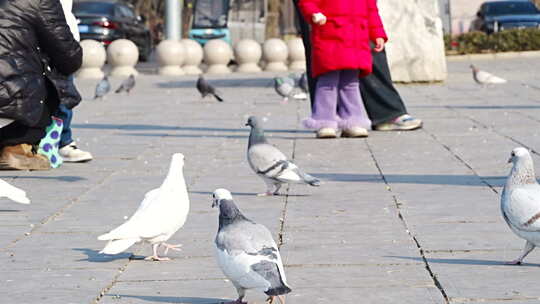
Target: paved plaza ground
{"x": 402, "y": 217}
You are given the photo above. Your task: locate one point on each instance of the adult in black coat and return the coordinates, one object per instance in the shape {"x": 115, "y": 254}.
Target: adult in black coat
{"x": 383, "y": 103}
{"x": 37, "y": 55}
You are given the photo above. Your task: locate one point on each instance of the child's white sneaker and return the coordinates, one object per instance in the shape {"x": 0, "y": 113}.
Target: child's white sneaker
{"x": 70, "y": 153}
{"x": 354, "y": 132}
{"x": 326, "y": 133}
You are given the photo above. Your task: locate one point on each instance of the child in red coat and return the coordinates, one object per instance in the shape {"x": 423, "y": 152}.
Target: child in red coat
{"x": 341, "y": 35}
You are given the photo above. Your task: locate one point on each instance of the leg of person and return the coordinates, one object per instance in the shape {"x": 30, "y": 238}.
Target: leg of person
{"x": 68, "y": 148}
{"x": 19, "y": 145}
{"x": 304, "y": 28}
{"x": 323, "y": 116}
{"x": 354, "y": 120}
{"x": 382, "y": 101}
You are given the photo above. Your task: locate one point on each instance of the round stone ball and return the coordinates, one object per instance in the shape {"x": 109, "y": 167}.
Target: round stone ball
{"x": 275, "y": 50}
{"x": 170, "y": 52}
{"x": 295, "y": 47}
{"x": 247, "y": 51}
{"x": 217, "y": 51}
{"x": 94, "y": 54}
{"x": 193, "y": 52}
{"x": 122, "y": 52}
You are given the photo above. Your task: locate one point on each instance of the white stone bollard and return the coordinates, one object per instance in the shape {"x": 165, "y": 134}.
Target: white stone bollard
{"x": 193, "y": 56}
{"x": 275, "y": 54}
{"x": 297, "y": 55}
{"x": 123, "y": 56}
{"x": 170, "y": 56}
{"x": 94, "y": 57}
{"x": 217, "y": 54}
{"x": 248, "y": 53}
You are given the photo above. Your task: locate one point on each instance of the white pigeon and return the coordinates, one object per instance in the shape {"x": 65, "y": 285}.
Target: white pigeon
{"x": 271, "y": 164}
{"x": 520, "y": 201}
{"x": 246, "y": 252}
{"x": 13, "y": 193}
{"x": 162, "y": 212}
{"x": 483, "y": 77}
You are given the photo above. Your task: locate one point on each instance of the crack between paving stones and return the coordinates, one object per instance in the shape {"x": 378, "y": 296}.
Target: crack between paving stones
{"x": 122, "y": 269}
{"x": 55, "y": 215}
{"x": 421, "y": 251}
{"x": 461, "y": 160}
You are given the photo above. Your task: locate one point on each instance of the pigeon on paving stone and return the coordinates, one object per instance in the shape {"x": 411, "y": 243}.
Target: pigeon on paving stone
{"x": 483, "y": 77}
{"x": 13, "y": 193}
{"x": 103, "y": 87}
{"x": 246, "y": 252}
{"x": 271, "y": 164}
{"x": 520, "y": 201}
{"x": 284, "y": 86}
{"x": 205, "y": 88}
{"x": 127, "y": 85}
{"x": 162, "y": 212}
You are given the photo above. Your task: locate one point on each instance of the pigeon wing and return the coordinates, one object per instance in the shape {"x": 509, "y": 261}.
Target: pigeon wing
{"x": 488, "y": 78}
{"x": 266, "y": 159}
{"x": 13, "y": 193}
{"x": 522, "y": 208}
{"x": 249, "y": 256}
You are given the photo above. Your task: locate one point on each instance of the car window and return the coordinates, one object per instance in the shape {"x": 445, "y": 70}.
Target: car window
{"x": 510, "y": 8}
{"x": 211, "y": 14}
{"x": 125, "y": 12}
{"x": 93, "y": 8}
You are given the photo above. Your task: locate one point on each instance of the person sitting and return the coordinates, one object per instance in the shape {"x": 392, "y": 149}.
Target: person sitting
{"x": 37, "y": 55}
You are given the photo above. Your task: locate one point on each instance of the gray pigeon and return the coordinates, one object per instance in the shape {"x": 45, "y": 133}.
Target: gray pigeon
{"x": 520, "y": 201}
{"x": 483, "y": 77}
{"x": 127, "y": 85}
{"x": 103, "y": 87}
{"x": 271, "y": 164}
{"x": 246, "y": 252}
{"x": 205, "y": 89}
{"x": 284, "y": 86}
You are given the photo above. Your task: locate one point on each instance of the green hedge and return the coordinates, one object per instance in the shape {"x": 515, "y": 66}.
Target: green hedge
{"x": 506, "y": 41}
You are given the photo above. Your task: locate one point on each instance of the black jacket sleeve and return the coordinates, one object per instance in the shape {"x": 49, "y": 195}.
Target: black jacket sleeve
{"x": 55, "y": 38}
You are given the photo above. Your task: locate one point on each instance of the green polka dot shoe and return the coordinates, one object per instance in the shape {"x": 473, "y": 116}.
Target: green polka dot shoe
{"x": 48, "y": 146}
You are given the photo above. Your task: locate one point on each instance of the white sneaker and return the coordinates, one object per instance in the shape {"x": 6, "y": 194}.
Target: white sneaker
{"x": 72, "y": 154}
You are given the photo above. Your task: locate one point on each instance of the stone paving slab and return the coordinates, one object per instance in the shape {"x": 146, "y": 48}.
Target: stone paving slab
{"x": 401, "y": 217}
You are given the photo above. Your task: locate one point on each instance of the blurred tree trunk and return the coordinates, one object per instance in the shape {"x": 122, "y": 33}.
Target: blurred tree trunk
{"x": 154, "y": 12}
{"x": 272, "y": 19}
{"x": 537, "y": 2}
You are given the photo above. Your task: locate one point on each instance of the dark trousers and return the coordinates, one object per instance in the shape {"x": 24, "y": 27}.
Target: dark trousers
{"x": 16, "y": 133}
{"x": 381, "y": 99}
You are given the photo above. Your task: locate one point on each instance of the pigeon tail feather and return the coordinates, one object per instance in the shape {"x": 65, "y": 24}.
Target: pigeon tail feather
{"x": 117, "y": 246}
{"x": 120, "y": 89}
{"x": 311, "y": 180}
{"x": 218, "y": 97}
{"x": 277, "y": 291}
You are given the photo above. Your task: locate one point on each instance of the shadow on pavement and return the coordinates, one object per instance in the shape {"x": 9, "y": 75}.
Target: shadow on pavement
{"x": 141, "y": 127}
{"x": 185, "y": 300}
{"x": 430, "y": 179}
{"x": 247, "y": 193}
{"x": 459, "y": 261}
{"x": 64, "y": 178}
{"x": 96, "y": 257}
{"x": 510, "y": 107}
{"x": 221, "y": 83}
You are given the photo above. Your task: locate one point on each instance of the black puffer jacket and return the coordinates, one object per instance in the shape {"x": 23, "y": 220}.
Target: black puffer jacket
{"x": 35, "y": 44}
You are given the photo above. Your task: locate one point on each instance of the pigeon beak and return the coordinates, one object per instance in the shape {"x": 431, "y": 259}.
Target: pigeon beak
{"x": 247, "y": 124}
{"x": 509, "y": 160}
{"x": 214, "y": 203}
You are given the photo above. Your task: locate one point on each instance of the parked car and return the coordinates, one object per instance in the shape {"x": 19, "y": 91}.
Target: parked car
{"x": 494, "y": 16}
{"x": 108, "y": 20}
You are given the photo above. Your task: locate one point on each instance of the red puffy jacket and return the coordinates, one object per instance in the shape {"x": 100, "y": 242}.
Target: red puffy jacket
{"x": 342, "y": 43}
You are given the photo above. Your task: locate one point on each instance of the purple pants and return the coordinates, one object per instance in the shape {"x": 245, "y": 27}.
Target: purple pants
{"x": 338, "y": 103}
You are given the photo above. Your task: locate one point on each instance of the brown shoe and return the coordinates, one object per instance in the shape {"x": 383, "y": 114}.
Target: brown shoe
{"x": 21, "y": 157}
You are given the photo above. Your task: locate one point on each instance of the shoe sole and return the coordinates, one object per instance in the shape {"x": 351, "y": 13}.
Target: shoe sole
{"x": 354, "y": 136}
{"x": 326, "y": 136}
{"x": 76, "y": 160}
{"x": 392, "y": 128}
